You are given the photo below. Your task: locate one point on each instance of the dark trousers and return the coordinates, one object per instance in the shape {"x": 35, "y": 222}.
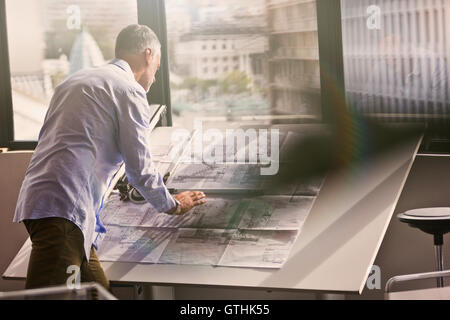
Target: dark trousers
{"x": 58, "y": 248}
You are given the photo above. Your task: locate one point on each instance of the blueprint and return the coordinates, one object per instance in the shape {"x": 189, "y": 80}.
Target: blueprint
{"x": 246, "y": 222}
{"x": 310, "y": 187}
{"x": 217, "y": 213}
{"x": 256, "y": 148}
{"x": 203, "y": 176}
{"x": 222, "y": 232}
{"x": 258, "y": 249}
{"x": 237, "y": 248}
{"x": 239, "y": 177}
{"x": 131, "y": 244}
{"x": 275, "y": 212}
{"x": 197, "y": 246}
{"x": 224, "y": 212}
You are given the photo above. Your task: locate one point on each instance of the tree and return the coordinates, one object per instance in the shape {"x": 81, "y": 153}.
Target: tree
{"x": 199, "y": 86}
{"x": 235, "y": 83}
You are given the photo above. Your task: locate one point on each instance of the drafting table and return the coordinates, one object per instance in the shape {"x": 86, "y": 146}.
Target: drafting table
{"x": 334, "y": 252}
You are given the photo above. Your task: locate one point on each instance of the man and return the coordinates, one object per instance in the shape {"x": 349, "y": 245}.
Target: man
{"x": 97, "y": 119}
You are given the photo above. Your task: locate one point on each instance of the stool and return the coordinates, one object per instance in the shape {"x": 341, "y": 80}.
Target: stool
{"x": 434, "y": 221}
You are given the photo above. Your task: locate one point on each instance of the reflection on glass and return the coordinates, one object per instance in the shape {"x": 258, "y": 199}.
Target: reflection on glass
{"x": 51, "y": 39}
{"x": 234, "y": 58}
{"x": 396, "y": 55}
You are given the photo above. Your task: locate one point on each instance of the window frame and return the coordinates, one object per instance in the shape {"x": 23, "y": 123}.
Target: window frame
{"x": 152, "y": 13}
{"x": 6, "y": 110}
{"x": 331, "y": 60}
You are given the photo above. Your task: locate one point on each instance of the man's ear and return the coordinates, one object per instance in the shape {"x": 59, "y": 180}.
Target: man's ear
{"x": 148, "y": 56}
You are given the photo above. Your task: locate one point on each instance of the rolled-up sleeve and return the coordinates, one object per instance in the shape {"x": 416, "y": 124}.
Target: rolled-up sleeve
{"x": 133, "y": 141}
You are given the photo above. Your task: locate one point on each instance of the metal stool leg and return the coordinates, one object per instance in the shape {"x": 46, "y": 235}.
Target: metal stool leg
{"x": 438, "y": 243}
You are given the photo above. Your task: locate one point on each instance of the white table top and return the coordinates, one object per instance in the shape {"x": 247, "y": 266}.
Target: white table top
{"x": 334, "y": 252}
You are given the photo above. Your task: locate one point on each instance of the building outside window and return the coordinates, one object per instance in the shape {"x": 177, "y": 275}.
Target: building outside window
{"x": 60, "y": 38}
{"x": 396, "y": 57}
{"x": 265, "y": 55}
{"x": 265, "y": 59}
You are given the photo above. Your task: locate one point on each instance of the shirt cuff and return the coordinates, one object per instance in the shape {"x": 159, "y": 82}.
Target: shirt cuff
{"x": 165, "y": 204}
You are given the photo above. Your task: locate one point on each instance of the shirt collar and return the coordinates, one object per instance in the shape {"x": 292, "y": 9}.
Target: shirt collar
{"x": 122, "y": 64}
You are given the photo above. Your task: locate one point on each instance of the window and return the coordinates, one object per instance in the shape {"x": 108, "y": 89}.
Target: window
{"x": 260, "y": 39}
{"x": 396, "y": 58}
{"x": 262, "y": 49}
{"x": 59, "y": 38}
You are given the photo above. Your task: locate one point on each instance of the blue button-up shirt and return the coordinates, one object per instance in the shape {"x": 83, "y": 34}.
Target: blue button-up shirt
{"x": 97, "y": 119}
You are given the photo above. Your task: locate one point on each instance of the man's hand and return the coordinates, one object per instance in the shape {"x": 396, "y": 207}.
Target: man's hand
{"x": 188, "y": 200}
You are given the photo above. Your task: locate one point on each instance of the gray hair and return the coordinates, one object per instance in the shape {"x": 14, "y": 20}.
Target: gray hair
{"x": 134, "y": 39}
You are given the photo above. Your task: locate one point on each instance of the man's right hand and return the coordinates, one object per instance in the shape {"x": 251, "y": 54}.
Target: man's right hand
{"x": 188, "y": 200}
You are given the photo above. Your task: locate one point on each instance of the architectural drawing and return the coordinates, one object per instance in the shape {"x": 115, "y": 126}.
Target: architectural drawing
{"x": 246, "y": 222}
{"x": 238, "y": 248}
{"x": 202, "y": 176}
{"x": 131, "y": 244}
{"x": 224, "y": 212}
{"x": 275, "y": 212}
{"x": 278, "y": 185}
{"x": 229, "y": 230}
{"x": 258, "y": 249}
{"x": 197, "y": 246}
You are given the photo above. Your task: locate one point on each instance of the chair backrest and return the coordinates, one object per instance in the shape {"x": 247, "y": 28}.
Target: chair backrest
{"x": 424, "y": 294}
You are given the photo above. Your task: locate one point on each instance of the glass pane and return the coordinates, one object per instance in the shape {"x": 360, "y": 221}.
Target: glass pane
{"x": 234, "y": 58}
{"x": 51, "y": 39}
{"x": 396, "y": 55}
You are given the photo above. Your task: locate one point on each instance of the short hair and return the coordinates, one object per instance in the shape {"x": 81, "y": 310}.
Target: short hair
{"x": 134, "y": 39}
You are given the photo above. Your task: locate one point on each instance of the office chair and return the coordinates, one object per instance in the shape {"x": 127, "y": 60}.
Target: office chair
{"x": 434, "y": 221}
{"x": 423, "y": 294}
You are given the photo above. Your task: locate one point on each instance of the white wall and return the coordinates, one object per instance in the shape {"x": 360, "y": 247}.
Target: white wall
{"x": 12, "y": 236}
